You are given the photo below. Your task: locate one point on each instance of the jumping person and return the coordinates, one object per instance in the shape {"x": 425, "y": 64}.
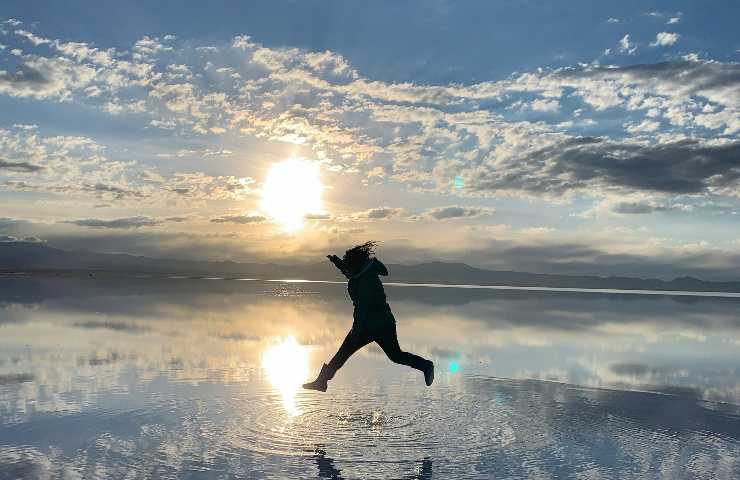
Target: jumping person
{"x": 373, "y": 319}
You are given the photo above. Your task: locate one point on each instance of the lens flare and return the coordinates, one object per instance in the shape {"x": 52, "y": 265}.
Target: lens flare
{"x": 286, "y": 365}
{"x": 454, "y": 367}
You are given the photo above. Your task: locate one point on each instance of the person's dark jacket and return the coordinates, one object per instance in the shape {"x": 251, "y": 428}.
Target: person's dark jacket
{"x": 371, "y": 313}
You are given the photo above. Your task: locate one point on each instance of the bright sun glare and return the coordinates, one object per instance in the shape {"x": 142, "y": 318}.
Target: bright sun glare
{"x": 286, "y": 365}
{"x": 292, "y": 189}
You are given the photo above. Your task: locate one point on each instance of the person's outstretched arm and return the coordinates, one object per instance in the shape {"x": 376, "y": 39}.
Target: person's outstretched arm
{"x": 339, "y": 264}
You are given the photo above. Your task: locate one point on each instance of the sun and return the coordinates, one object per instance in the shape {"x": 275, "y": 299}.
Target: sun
{"x": 291, "y": 190}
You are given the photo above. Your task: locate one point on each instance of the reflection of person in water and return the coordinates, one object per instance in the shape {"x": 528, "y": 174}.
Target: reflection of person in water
{"x": 327, "y": 469}
{"x": 373, "y": 319}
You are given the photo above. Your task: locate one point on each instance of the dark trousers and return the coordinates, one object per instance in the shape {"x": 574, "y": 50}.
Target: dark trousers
{"x": 386, "y": 338}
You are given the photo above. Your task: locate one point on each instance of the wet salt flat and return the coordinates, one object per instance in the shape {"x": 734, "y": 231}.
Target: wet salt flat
{"x": 184, "y": 378}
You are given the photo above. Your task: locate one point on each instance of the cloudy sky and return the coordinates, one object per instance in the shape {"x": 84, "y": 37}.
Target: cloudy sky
{"x": 566, "y": 137}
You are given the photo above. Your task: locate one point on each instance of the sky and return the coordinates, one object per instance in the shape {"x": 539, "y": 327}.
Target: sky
{"x": 557, "y": 137}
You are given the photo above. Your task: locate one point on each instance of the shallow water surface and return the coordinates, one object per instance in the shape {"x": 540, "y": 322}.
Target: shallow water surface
{"x": 186, "y": 378}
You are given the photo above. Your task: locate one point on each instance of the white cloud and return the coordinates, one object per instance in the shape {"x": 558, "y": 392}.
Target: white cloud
{"x": 36, "y": 41}
{"x": 646, "y": 126}
{"x": 626, "y": 46}
{"x": 421, "y": 136}
{"x": 665, "y": 39}
{"x": 77, "y": 167}
{"x": 728, "y": 121}
{"x": 545, "y": 105}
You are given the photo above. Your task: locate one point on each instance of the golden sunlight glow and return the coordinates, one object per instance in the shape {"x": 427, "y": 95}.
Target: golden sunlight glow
{"x": 292, "y": 190}
{"x": 286, "y": 365}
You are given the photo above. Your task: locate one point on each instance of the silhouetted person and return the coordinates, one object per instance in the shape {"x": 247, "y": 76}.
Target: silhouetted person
{"x": 327, "y": 470}
{"x": 326, "y": 465}
{"x": 373, "y": 319}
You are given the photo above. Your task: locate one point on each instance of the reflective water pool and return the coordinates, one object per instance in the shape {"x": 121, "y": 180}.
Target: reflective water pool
{"x": 185, "y": 378}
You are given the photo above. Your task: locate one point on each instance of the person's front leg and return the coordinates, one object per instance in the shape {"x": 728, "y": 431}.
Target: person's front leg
{"x": 352, "y": 342}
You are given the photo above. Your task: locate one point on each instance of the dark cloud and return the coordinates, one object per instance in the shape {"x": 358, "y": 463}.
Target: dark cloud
{"x": 445, "y": 213}
{"x": 19, "y": 185}
{"x": 15, "y": 378}
{"x": 238, "y": 337}
{"x": 97, "y": 189}
{"x": 23, "y": 167}
{"x": 639, "y": 208}
{"x": 95, "y": 361}
{"x": 117, "y": 223}
{"x": 318, "y": 216}
{"x": 380, "y": 213}
{"x": 692, "y": 78}
{"x": 111, "y": 325}
{"x": 705, "y": 206}
{"x": 118, "y": 192}
{"x": 25, "y": 76}
{"x": 240, "y": 219}
{"x": 683, "y": 167}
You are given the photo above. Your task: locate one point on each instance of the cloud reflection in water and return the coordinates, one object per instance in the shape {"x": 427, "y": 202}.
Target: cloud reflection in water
{"x": 210, "y": 382}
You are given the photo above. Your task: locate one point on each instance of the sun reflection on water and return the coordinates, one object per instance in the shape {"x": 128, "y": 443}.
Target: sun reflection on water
{"x": 286, "y": 365}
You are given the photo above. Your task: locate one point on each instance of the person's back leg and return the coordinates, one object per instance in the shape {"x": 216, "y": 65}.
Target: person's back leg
{"x": 352, "y": 342}
{"x": 388, "y": 341}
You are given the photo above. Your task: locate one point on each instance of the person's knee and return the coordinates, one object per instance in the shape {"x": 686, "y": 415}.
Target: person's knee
{"x": 396, "y": 356}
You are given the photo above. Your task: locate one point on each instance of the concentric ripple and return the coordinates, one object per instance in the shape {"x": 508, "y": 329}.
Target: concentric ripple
{"x": 477, "y": 427}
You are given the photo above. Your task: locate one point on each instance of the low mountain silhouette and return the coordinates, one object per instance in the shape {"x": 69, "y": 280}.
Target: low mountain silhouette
{"x": 42, "y": 258}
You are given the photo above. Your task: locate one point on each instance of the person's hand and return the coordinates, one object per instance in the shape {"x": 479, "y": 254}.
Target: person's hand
{"x": 339, "y": 264}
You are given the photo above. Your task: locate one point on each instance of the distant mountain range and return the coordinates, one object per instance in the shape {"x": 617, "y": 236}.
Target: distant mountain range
{"x": 41, "y": 258}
